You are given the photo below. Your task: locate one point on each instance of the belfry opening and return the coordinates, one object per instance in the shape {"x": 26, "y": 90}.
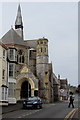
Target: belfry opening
{"x": 25, "y": 90}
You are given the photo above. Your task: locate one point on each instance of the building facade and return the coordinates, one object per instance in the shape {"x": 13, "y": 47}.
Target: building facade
{"x": 29, "y": 71}
{"x": 3, "y": 75}
{"x": 56, "y": 88}
{"x": 25, "y": 68}
{"x": 63, "y": 88}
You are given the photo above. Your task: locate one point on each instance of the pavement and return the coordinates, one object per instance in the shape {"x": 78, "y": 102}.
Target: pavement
{"x": 11, "y": 107}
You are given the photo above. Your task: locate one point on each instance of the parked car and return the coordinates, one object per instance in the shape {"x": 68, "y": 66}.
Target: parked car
{"x": 33, "y": 102}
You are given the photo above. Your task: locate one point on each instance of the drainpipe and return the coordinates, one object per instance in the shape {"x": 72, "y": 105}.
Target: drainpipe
{"x": 39, "y": 88}
{"x": 28, "y": 65}
{"x": 28, "y": 68}
{"x": 7, "y": 75}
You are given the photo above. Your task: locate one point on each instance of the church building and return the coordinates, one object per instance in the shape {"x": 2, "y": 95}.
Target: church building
{"x": 29, "y": 70}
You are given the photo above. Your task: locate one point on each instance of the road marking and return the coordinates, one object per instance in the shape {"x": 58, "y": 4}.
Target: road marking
{"x": 74, "y": 113}
{"x": 28, "y": 113}
{"x": 71, "y": 114}
{"x": 32, "y": 112}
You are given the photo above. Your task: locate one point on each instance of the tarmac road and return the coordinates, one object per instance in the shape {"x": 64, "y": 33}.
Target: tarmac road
{"x": 56, "y": 110}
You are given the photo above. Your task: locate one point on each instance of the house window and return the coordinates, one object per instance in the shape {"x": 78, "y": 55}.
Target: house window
{"x": 44, "y": 42}
{"x": 38, "y": 42}
{"x": 41, "y": 42}
{"x": 41, "y": 49}
{"x": 3, "y": 74}
{"x": 11, "y": 54}
{"x": 21, "y": 56}
{"x": 3, "y": 53}
{"x": 2, "y": 93}
{"x": 5, "y": 93}
{"x": 15, "y": 55}
{"x": 10, "y": 69}
{"x": 30, "y": 53}
{"x": 22, "y": 59}
{"x": 10, "y": 89}
{"x": 45, "y": 49}
{"x": 17, "y": 58}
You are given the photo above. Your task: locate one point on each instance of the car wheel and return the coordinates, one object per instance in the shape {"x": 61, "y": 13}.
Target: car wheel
{"x": 38, "y": 106}
{"x": 24, "y": 107}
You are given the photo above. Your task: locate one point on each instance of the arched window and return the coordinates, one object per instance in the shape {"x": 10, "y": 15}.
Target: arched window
{"x": 22, "y": 59}
{"x": 38, "y": 43}
{"x": 41, "y": 42}
{"x": 45, "y": 49}
{"x": 41, "y": 49}
{"x": 21, "y": 56}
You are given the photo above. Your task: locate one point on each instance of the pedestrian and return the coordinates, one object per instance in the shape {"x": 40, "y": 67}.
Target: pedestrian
{"x": 71, "y": 99}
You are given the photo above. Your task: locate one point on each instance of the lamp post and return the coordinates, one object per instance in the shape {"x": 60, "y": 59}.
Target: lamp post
{"x": 28, "y": 65}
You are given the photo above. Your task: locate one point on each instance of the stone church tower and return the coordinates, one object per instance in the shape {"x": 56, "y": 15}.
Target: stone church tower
{"x": 42, "y": 67}
{"x": 19, "y": 23}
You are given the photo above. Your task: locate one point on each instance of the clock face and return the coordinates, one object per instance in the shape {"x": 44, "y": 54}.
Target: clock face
{"x": 20, "y": 52}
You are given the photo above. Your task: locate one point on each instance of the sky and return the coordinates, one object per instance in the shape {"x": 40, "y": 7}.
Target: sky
{"x": 56, "y": 21}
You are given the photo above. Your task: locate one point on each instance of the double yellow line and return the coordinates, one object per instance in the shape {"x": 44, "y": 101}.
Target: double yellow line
{"x": 71, "y": 114}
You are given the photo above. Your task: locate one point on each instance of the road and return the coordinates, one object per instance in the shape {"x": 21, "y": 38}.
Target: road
{"x": 54, "y": 110}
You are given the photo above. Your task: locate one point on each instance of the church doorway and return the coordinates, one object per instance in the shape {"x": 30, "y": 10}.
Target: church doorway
{"x": 25, "y": 90}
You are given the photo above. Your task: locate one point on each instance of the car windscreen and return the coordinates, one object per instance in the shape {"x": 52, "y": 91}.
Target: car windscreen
{"x": 32, "y": 98}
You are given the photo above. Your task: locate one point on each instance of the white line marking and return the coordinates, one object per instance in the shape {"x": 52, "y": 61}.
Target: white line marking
{"x": 28, "y": 113}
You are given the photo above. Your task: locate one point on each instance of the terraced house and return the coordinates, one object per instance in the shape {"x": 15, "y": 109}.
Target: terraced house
{"x": 3, "y": 75}
{"x": 29, "y": 71}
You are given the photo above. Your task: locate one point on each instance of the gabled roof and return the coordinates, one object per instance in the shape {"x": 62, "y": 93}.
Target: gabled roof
{"x": 11, "y": 37}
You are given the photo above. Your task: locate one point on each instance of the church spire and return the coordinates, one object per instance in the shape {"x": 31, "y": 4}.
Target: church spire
{"x": 18, "y": 22}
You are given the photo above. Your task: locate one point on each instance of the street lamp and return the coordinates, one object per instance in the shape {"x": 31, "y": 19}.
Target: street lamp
{"x": 28, "y": 64}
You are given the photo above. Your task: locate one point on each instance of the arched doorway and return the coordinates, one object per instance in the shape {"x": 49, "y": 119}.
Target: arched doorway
{"x": 25, "y": 90}
{"x": 20, "y": 83}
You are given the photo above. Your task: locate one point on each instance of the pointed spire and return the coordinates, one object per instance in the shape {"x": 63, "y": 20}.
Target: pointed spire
{"x": 18, "y": 22}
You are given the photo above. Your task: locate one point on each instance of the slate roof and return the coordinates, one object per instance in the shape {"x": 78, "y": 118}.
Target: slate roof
{"x": 31, "y": 43}
{"x": 11, "y": 37}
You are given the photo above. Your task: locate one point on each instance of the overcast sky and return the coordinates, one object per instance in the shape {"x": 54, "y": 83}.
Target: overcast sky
{"x": 58, "y": 22}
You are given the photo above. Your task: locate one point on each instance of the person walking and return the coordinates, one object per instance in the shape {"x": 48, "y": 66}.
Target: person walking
{"x": 71, "y": 99}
